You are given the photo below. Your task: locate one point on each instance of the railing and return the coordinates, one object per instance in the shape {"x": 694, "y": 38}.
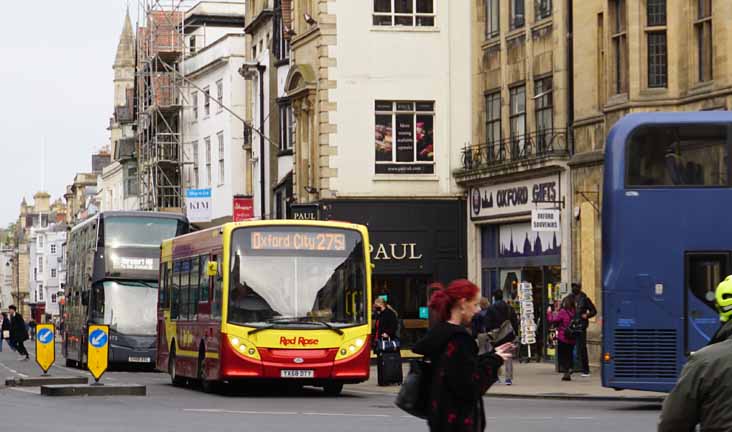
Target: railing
{"x": 537, "y": 145}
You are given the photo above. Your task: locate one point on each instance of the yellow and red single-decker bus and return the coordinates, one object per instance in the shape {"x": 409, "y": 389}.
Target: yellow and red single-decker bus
{"x": 266, "y": 300}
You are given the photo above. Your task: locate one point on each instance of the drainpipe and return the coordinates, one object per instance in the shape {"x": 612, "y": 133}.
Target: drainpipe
{"x": 263, "y": 199}
{"x": 570, "y": 77}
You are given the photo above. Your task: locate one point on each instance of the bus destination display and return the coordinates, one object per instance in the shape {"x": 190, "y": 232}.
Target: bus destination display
{"x": 306, "y": 241}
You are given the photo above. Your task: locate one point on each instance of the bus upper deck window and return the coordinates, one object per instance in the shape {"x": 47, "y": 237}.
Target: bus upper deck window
{"x": 677, "y": 156}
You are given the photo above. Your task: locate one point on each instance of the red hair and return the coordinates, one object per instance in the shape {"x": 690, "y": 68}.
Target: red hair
{"x": 443, "y": 300}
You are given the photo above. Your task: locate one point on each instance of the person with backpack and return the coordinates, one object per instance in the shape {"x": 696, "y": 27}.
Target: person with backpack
{"x": 585, "y": 310}
{"x": 495, "y": 317}
{"x": 459, "y": 376}
{"x": 565, "y": 340}
{"x": 479, "y": 319}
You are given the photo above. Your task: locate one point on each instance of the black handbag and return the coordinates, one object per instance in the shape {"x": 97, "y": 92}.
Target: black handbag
{"x": 414, "y": 394}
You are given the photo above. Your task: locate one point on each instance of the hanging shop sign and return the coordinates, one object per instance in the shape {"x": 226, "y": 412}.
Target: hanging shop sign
{"x": 545, "y": 220}
{"x": 198, "y": 205}
{"x": 243, "y": 208}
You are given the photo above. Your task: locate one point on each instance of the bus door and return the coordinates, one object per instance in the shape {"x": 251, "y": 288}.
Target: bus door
{"x": 703, "y": 272}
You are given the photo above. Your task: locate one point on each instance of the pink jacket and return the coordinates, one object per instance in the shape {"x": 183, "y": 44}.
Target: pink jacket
{"x": 562, "y": 319}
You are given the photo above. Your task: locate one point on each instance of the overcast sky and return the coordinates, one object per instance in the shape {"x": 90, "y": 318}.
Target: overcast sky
{"x": 56, "y": 73}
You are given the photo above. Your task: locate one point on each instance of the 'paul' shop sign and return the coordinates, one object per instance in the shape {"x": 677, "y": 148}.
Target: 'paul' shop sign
{"x": 513, "y": 198}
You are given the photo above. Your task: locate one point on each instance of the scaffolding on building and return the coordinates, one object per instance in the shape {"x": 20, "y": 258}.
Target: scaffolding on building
{"x": 160, "y": 102}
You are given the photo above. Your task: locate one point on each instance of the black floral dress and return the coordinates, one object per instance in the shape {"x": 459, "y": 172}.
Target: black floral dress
{"x": 460, "y": 378}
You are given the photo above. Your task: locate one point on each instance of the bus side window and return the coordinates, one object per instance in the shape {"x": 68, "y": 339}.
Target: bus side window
{"x": 217, "y": 283}
{"x": 168, "y": 284}
{"x": 174, "y": 310}
{"x": 185, "y": 273}
{"x": 193, "y": 288}
{"x": 162, "y": 285}
{"x": 204, "y": 281}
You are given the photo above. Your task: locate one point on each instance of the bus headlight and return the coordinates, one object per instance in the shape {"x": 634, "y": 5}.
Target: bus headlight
{"x": 244, "y": 347}
{"x": 350, "y": 348}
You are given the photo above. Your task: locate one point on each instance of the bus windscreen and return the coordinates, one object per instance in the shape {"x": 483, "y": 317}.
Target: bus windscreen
{"x": 297, "y": 276}
{"x": 121, "y": 231}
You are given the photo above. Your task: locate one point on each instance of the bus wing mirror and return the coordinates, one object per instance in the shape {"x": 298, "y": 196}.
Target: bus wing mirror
{"x": 373, "y": 266}
{"x": 212, "y": 268}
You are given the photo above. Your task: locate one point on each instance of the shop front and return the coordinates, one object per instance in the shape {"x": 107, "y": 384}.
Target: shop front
{"x": 413, "y": 243}
{"x": 515, "y": 249}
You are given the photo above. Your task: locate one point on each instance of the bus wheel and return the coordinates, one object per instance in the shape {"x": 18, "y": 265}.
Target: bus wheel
{"x": 333, "y": 389}
{"x": 174, "y": 378}
{"x": 207, "y": 385}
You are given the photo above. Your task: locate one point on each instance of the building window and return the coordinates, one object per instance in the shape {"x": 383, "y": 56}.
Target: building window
{"x": 544, "y": 112}
{"x": 40, "y": 293}
{"x": 220, "y": 95}
{"x": 405, "y": 137}
{"x": 656, "y": 11}
{"x": 281, "y": 41}
{"x": 492, "y": 18}
{"x": 53, "y": 298}
{"x": 287, "y": 128}
{"x": 131, "y": 181}
{"x": 620, "y": 47}
{"x": 53, "y": 249}
{"x": 194, "y": 102}
{"x": 206, "y": 101}
{"x": 53, "y": 273}
{"x": 518, "y": 15}
{"x": 518, "y": 120}
{"x": 493, "y": 123}
{"x": 222, "y": 173}
{"x": 195, "y": 165}
{"x": 35, "y": 273}
{"x": 543, "y": 9}
{"x": 207, "y": 141}
{"x": 703, "y": 30}
{"x": 40, "y": 265}
{"x": 192, "y": 44}
{"x": 406, "y": 13}
{"x": 657, "y": 61}
{"x": 40, "y": 242}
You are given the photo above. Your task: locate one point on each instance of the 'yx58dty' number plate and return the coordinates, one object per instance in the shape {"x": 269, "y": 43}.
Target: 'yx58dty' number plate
{"x": 297, "y": 373}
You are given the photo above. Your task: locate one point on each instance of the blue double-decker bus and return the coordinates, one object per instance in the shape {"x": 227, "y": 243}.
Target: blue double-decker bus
{"x": 666, "y": 242}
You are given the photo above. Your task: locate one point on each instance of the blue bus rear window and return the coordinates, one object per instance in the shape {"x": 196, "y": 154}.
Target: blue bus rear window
{"x": 679, "y": 156}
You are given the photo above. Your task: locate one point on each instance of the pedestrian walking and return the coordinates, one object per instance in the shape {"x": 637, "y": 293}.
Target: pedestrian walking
{"x": 585, "y": 310}
{"x": 479, "y": 320}
{"x": 18, "y": 332}
{"x": 5, "y": 326}
{"x": 703, "y": 394}
{"x": 566, "y": 343}
{"x": 499, "y": 315}
{"x": 460, "y": 377}
{"x": 387, "y": 344}
{"x": 32, "y": 328}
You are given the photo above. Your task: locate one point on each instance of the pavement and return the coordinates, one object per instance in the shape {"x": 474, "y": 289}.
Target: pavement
{"x": 364, "y": 407}
{"x": 540, "y": 381}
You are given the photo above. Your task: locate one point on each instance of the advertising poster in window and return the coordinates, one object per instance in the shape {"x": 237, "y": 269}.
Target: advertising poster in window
{"x": 425, "y": 138}
{"x": 405, "y": 138}
{"x": 383, "y": 138}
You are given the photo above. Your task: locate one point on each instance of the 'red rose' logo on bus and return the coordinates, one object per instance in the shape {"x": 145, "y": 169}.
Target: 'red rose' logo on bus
{"x": 302, "y": 341}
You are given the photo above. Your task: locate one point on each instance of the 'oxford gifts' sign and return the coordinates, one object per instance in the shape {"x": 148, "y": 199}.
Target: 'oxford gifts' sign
{"x": 512, "y": 198}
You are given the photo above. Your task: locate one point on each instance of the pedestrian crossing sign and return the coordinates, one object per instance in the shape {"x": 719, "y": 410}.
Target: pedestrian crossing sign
{"x": 45, "y": 346}
{"x": 97, "y": 350}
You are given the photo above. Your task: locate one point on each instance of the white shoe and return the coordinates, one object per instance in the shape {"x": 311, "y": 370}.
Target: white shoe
{"x": 585, "y": 375}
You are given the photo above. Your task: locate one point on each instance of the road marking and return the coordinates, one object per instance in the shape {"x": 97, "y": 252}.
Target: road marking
{"x": 580, "y": 418}
{"x": 344, "y": 415}
{"x": 222, "y": 411}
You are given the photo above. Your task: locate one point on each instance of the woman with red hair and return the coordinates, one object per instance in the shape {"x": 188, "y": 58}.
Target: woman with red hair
{"x": 460, "y": 377}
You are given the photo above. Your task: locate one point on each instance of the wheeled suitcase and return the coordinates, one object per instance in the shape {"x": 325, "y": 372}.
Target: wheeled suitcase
{"x": 389, "y": 368}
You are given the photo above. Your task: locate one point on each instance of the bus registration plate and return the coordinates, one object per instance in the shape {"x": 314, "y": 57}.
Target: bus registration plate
{"x": 138, "y": 359}
{"x": 298, "y": 373}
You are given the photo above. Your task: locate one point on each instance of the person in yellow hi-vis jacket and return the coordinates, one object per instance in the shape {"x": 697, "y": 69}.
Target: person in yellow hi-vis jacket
{"x": 703, "y": 394}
